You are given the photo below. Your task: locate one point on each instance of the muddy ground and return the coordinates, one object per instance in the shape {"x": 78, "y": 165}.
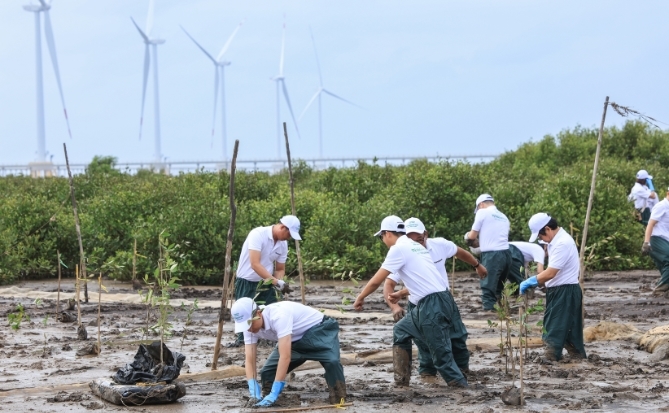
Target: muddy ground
{"x": 39, "y": 360}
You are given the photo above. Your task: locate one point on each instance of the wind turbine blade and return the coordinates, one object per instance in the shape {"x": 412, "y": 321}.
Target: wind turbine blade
{"x": 215, "y": 104}
{"x": 283, "y": 46}
{"x": 227, "y": 44}
{"x": 198, "y": 45}
{"x": 147, "y": 63}
{"x": 149, "y": 18}
{"x": 309, "y": 104}
{"x": 341, "y": 98}
{"x": 144, "y": 36}
{"x": 48, "y": 33}
{"x": 290, "y": 108}
{"x": 318, "y": 63}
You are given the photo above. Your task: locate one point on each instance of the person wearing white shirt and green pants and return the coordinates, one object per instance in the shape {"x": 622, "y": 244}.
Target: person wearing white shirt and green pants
{"x": 263, "y": 257}
{"x": 656, "y": 242}
{"x": 435, "y": 313}
{"x": 643, "y": 195}
{"x": 563, "y": 317}
{"x": 302, "y": 333}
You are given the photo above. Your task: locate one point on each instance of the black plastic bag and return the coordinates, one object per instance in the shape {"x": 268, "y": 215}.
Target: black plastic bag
{"x": 146, "y": 367}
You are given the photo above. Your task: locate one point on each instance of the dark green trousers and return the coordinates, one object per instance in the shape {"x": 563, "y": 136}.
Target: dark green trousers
{"x": 245, "y": 288}
{"x": 498, "y": 264}
{"x": 645, "y": 216}
{"x": 437, "y": 329}
{"x": 320, "y": 343}
{"x": 659, "y": 252}
{"x": 563, "y": 321}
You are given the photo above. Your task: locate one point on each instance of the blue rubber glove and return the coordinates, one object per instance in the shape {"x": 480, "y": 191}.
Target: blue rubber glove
{"x": 649, "y": 182}
{"x": 254, "y": 389}
{"x": 529, "y": 283}
{"x": 269, "y": 400}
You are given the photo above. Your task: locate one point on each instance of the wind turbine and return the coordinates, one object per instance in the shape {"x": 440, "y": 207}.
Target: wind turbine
{"x": 151, "y": 44}
{"x": 281, "y": 86}
{"x": 219, "y": 73}
{"x": 317, "y": 95}
{"x": 44, "y": 7}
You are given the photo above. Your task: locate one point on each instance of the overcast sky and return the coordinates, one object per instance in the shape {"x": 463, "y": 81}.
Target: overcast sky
{"x": 434, "y": 77}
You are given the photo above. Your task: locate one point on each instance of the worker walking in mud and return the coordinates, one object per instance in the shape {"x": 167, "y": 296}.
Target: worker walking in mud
{"x": 491, "y": 228}
{"x": 434, "y": 314}
{"x": 302, "y": 333}
{"x": 440, "y": 250}
{"x": 563, "y": 317}
{"x": 644, "y": 196}
{"x": 656, "y": 242}
{"x": 263, "y": 258}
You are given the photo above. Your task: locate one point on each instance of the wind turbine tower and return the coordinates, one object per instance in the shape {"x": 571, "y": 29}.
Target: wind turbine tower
{"x": 151, "y": 45}
{"x": 281, "y": 87}
{"x": 44, "y": 7}
{"x": 219, "y": 74}
{"x": 317, "y": 95}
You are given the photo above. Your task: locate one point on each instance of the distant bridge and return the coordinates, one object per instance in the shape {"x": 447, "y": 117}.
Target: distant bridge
{"x": 39, "y": 169}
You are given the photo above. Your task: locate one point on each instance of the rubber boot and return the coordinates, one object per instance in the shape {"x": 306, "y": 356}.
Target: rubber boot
{"x": 401, "y": 366}
{"x": 462, "y": 383}
{"x": 337, "y": 393}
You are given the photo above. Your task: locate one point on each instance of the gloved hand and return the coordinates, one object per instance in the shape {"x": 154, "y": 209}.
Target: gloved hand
{"x": 254, "y": 389}
{"x": 531, "y": 282}
{"x": 645, "y": 248}
{"x": 398, "y": 314}
{"x": 270, "y": 399}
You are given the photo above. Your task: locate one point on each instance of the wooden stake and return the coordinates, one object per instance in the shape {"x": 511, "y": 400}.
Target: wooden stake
{"x": 134, "y": 261}
{"x": 228, "y": 258}
{"x": 82, "y": 260}
{"x": 78, "y": 289}
{"x": 453, "y": 278}
{"x": 58, "y": 296}
{"x": 302, "y": 409}
{"x": 521, "y": 309}
{"x": 589, "y": 208}
{"x": 99, "y": 305}
{"x": 292, "y": 207}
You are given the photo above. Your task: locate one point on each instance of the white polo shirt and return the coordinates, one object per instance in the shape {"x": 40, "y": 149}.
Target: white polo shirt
{"x": 493, "y": 228}
{"x": 660, "y": 213}
{"x": 640, "y": 194}
{"x": 285, "y": 318}
{"x": 563, "y": 256}
{"x": 260, "y": 239}
{"x": 414, "y": 265}
{"x": 531, "y": 251}
{"x": 440, "y": 250}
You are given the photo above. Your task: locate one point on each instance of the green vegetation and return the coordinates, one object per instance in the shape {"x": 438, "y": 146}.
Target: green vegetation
{"x": 17, "y": 317}
{"x": 340, "y": 209}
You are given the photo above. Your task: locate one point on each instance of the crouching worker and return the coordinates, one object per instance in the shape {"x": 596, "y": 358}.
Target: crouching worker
{"x": 563, "y": 318}
{"x": 302, "y": 334}
{"x": 434, "y": 315}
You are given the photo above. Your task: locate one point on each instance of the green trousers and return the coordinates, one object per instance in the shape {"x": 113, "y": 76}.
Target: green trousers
{"x": 320, "y": 343}
{"x": 563, "y": 321}
{"x": 499, "y": 265}
{"x": 245, "y": 288}
{"x": 659, "y": 252}
{"x": 436, "y": 327}
{"x": 645, "y": 216}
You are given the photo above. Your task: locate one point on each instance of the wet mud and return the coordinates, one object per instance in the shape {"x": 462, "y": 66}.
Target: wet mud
{"x": 626, "y": 370}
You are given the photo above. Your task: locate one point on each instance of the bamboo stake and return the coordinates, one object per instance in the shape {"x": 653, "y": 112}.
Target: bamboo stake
{"x": 453, "y": 278}
{"x": 228, "y": 258}
{"x": 302, "y": 409}
{"x": 58, "y": 297}
{"x": 134, "y": 261}
{"x": 77, "y": 226}
{"x": 521, "y": 309}
{"x": 589, "y": 208}
{"x": 292, "y": 207}
{"x": 78, "y": 289}
{"x": 99, "y": 310}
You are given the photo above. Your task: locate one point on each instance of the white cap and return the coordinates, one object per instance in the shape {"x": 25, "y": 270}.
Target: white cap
{"x": 242, "y": 312}
{"x": 391, "y": 223}
{"x": 414, "y": 225}
{"x": 643, "y": 174}
{"x": 293, "y": 225}
{"x": 482, "y": 198}
{"x": 537, "y": 223}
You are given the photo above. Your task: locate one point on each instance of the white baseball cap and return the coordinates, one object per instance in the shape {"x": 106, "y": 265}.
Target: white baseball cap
{"x": 242, "y": 313}
{"x": 643, "y": 174}
{"x": 537, "y": 223}
{"x": 391, "y": 223}
{"x": 482, "y": 198}
{"x": 293, "y": 225}
{"x": 414, "y": 225}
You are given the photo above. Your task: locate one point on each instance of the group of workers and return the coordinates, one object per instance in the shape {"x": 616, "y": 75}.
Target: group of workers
{"x": 431, "y": 318}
